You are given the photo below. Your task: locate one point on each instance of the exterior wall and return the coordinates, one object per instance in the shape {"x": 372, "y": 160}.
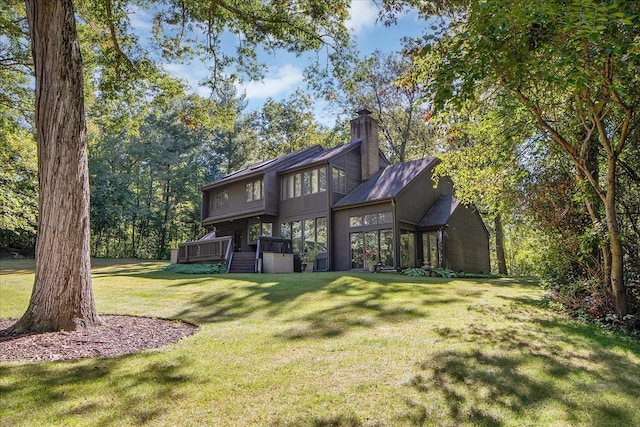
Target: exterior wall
{"x": 416, "y": 200}
{"x": 350, "y": 163}
{"x": 340, "y": 254}
{"x": 271, "y": 194}
{"x": 467, "y": 242}
{"x": 237, "y": 203}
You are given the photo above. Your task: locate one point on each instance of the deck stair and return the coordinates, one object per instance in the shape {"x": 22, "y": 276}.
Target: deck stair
{"x": 243, "y": 262}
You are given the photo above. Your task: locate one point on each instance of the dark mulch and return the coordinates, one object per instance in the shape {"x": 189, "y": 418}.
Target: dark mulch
{"x": 117, "y": 336}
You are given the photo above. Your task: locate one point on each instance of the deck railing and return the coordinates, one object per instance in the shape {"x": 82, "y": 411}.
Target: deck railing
{"x": 214, "y": 250}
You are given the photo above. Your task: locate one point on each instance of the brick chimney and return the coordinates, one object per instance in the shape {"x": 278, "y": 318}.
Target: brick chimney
{"x": 365, "y": 127}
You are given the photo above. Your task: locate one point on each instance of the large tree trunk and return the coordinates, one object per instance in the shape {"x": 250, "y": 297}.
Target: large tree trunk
{"x": 62, "y": 298}
{"x": 502, "y": 260}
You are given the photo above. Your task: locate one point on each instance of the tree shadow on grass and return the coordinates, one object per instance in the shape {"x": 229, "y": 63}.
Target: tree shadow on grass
{"x": 349, "y": 302}
{"x": 106, "y": 391}
{"x": 522, "y": 372}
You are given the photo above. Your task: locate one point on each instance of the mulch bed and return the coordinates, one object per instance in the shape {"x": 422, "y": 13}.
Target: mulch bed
{"x": 117, "y": 336}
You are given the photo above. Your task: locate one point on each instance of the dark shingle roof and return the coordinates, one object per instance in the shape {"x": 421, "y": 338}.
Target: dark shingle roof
{"x": 267, "y": 165}
{"x": 325, "y": 154}
{"x": 386, "y": 183}
{"x": 440, "y": 212}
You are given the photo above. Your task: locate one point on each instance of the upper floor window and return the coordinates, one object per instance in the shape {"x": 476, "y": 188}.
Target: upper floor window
{"x": 339, "y": 180}
{"x": 222, "y": 199}
{"x": 253, "y": 190}
{"x": 311, "y": 181}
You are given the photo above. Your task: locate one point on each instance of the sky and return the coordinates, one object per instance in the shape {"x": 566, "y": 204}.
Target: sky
{"x": 285, "y": 71}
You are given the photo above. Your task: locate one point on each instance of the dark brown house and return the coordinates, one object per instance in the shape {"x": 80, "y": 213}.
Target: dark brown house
{"x": 349, "y": 203}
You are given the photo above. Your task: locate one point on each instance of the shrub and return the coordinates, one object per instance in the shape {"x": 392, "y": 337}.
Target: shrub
{"x": 414, "y": 272}
{"x": 197, "y": 268}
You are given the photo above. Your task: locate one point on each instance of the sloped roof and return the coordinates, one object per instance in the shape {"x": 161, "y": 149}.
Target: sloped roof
{"x": 267, "y": 165}
{"x": 386, "y": 183}
{"x": 325, "y": 155}
{"x": 440, "y": 212}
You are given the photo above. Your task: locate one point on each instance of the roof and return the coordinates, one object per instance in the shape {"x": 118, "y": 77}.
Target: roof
{"x": 267, "y": 165}
{"x": 386, "y": 183}
{"x": 325, "y": 154}
{"x": 440, "y": 212}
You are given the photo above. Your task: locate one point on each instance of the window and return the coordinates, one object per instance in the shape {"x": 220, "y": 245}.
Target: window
{"x": 370, "y": 248}
{"x": 306, "y": 182}
{"x": 253, "y": 190}
{"x": 321, "y": 232}
{"x": 355, "y": 221}
{"x": 339, "y": 180}
{"x": 306, "y": 234}
{"x": 254, "y": 231}
{"x": 371, "y": 219}
{"x": 407, "y": 248}
{"x": 222, "y": 199}
{"x": 322, "y": 179}
{"x": 431, "y": 248}
{"x": 311, "y": 181}
{"x": 285, "y": 230}
{"x": 267, "y": 229}
{"x": 385, "y": 218}
{"x": 297, "y": 185}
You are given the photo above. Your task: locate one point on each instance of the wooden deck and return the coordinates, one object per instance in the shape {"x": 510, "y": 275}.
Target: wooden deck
{"x": 217, "y": 249}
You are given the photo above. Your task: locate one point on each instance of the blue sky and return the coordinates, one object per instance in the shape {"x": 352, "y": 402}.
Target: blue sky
{"x": 285, "y": 70}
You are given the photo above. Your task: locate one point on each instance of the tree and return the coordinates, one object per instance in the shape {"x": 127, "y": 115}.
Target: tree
{"x": 558, "y": 59}
{"x": 399, "y": 109}
{"x": 62, "y": 296}
{"x": 285, "y": 126}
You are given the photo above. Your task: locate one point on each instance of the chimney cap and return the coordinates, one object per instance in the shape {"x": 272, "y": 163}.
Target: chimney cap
{"x": 363, "y": 112}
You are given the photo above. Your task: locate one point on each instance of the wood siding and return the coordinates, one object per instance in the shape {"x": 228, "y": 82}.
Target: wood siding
{"x": 467, "y": 242}
{"x": 416, "y": 200}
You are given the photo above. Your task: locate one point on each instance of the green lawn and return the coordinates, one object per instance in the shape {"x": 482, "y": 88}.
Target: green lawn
{"x": 328, "y": 349}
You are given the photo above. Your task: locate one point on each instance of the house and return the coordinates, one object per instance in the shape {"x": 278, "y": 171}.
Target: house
{"x": 349, "y": 203}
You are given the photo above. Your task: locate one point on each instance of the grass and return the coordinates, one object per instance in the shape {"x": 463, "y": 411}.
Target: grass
{"x": 329, "y": 349}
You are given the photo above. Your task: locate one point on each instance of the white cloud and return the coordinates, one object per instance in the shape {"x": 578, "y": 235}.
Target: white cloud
{"x": 193, "y": 73}
{"x": 284, "y": 79}
{"x": 362, "y": 15}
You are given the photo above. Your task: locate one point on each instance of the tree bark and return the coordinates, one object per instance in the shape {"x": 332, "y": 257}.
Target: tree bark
{"x": 62, "y": 297}
{"x": 617, "y": 252}
{"x": 502, "y": 261}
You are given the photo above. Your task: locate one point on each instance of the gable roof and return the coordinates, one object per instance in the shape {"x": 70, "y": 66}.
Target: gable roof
{"x": 387, "y": 183}
{"x": 440, "y": 212}
{"x": 324, "y": 155}
{"x": 267, "y": 165}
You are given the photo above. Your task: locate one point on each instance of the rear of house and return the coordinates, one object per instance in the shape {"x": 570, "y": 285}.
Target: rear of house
{"x": 349, "y": 207}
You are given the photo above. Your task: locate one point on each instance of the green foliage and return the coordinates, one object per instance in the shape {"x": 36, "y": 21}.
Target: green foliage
{"x": 286, "y": 126}
{"x": 400, "y": 110}
{"x": 197, "y": 268}
{"x": 414, "y": 272}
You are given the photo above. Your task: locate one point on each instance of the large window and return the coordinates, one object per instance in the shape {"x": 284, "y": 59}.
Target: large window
{"x": 306, "y": 234}
{"x": 221, "y": 199}
{"x": 311, "y": 181}
{"x": 371, "y": 248}
{"x": 253, "y": 190}
{"x": 407, "y": 248}
{"x": 339, "y": 180}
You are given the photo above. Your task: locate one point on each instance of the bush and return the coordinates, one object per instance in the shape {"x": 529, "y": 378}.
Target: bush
{"x": 197, "y": 268}
{"x": 414, "y": 272}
